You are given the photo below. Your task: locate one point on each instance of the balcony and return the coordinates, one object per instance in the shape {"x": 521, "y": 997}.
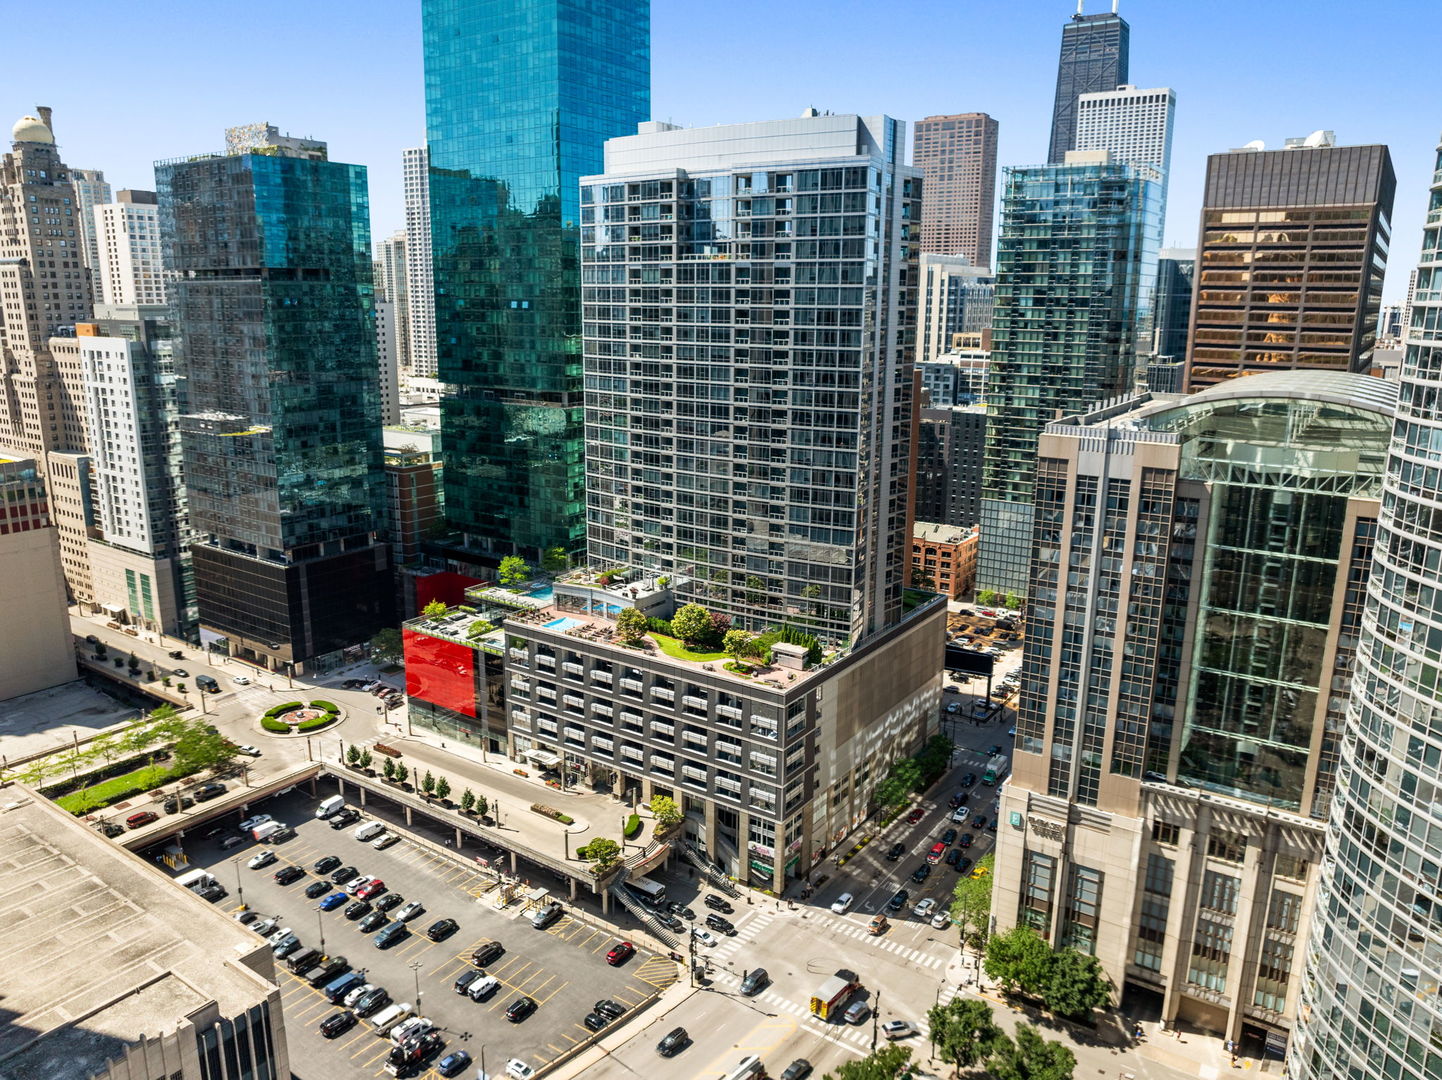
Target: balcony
{"x": 631, "y": 685}
{"x": 547, "y": 663}
{"x": 691, "y": 701}
{"x": 663, "y": 693}
{"x": 572, "y": 701}
{"x": 574, "y": 670}
{"x": 600, "y": 708}
{"x": 600, "y": 675}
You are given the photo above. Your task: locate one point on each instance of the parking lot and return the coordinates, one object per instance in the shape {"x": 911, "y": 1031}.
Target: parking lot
{"x": 563, "y": 968}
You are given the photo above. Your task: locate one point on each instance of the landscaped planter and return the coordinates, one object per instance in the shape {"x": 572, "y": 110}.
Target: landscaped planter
{"x": 296, "y": 718}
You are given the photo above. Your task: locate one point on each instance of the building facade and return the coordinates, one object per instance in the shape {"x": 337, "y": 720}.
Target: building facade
{"x": 91, "y": 190}
{"x": 393, "y": 286}
{"x": 281, "y": 434}
{"x": 958, "y": 377}
{"x": 1176, "y": 281}
{"x": 943, "y": 558}
{"x": 950, "y": 449}
{"x": 520, "y": 98}
{"x": 1293, "y": 248}
{"x": 1095, "y": 56}
{"x": 956, "y": 298}
{"x": 130, "y": 270}
{"x": 38, "y": 651}
{"x": 420, "y": 280}
{"x": 1076, "y": 268}
{"x": 1201, "y": 565}
{"x": 790, "y": 356}
{"x": 957, "y": 157}
{"x": 388, "y": 363}
{"x": 1134, "y": 124}
{"x": 1372, "y": 963}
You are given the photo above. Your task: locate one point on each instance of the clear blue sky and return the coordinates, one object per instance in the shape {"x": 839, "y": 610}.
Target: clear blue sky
{"x": 164, "y": 78}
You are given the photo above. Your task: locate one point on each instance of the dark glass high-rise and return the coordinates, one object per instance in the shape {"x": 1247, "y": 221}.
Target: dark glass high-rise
{"x": 1094, "y": 56}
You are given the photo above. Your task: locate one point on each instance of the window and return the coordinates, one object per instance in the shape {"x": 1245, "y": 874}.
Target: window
{"x": 1229, "y": 847}
{"x": 1164, "y": 832}
{"x": 1284, "y": 911}
{"x": 1159, "y": 875}
{"x": 1151, "y": 933}
{"x": 1037, "y": 885}
{"x": 1079, "y": 928}
{"x": 1211, "y": 952}
{"x": 1289, "y": 866}
{"x": 1219, "y": 892}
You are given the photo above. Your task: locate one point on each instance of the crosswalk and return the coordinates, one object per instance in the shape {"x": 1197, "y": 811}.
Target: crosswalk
{"x": 748, "y": 928}
{"x": 883, "y": 942}
{"x": 853, "y": 1037}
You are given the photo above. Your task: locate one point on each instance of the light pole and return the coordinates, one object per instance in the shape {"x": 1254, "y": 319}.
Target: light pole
{"x": 415, "y": 966}
{"x": 239, "y": 888}
{"x": 320, "y": 923}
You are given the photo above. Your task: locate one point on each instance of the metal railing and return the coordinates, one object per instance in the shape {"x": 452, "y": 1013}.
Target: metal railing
{"x": 714, "y": 876}
{"x": 647, "y": 919}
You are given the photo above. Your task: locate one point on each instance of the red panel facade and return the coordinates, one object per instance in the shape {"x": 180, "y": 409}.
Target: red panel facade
{"x": 447, "y": 587}
{"x": 441, "y": 672}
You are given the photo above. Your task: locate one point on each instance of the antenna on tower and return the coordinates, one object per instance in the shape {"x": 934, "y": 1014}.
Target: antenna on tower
{"x": 1079, "y": 4}
{"x": 1114, "y": 7}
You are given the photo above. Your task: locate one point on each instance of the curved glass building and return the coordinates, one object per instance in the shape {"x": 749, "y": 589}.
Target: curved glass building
{"x": 1370, "y": 1005}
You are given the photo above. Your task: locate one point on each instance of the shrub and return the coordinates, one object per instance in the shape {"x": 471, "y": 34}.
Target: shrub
{"x": 269, "y": 723}
{"x": 631, "y": 625}
{"x": 287, "y": 707}
{"x": 551, "y": 812}
{"x": 659, "y": 626}
{"x": 316, "y": 722}
{"x": 326, "y": 705}
{"x": 633, "y": 827}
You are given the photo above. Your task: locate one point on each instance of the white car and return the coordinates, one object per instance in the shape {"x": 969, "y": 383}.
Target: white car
{"x": 410, "y": 911}
{"x": 241, "y": 680}
{"x": 924, "y": 908}
{"x": 941, "y": 920}
{"x": 265, "y": 858}
{"x": 357, "y": 883}
{"x": 842, "y": 903}
{"x": 249, "y": 751}
{"x": 254, "y": 822}
{"x": 517, "y": 1069}
{"x": 953, "y": 707}
{"x": 385, "y": 840}
{"x": 358, "y": 993}
{"x": 960, "y": 814}
{"x": 705, "y": 937}
{"x": 416, "y": 1025}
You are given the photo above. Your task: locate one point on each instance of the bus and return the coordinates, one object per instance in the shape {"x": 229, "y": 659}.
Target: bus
{"x": 647, "y": 891}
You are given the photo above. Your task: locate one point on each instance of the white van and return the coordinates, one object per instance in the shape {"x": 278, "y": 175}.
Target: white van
{"x": 369, "y": 830}
{"x": 389, "y": 1017}
{"x": 193, "y": 879}
{"x": 267, "y": 830}
{"x": 330, "y": 806}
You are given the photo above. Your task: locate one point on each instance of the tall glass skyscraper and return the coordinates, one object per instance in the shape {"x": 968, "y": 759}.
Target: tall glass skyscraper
{"x": 1370, "y": 995}
{"x": 1095, "y": 50}
{"x": 272, "y": 302}
{"x": 520, "y": 97}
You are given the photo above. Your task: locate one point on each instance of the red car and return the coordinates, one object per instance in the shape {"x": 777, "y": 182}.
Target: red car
{"x": 371, "y": 889}
{"x": 915, "y": 816}
{"x": 938, "y": 849}
{"x": 620, "y": 953}
{"x": 145, "y": 817}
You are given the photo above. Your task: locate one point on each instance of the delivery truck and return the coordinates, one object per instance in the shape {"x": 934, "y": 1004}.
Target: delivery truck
{"x": 831, "y": 997}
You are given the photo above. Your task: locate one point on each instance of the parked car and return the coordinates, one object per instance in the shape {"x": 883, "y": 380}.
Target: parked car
{"x": 488, "y": 953}
{"x": 963, "y": 866}
{"x": 856, "y": 1012}
{"x": 316, "y": 889}
{"x": 326, "y": 864}
{"x": 410, "y": 911}
{"x": 453, "y": 1063}
{"x": 546, "y": 915}
{"x": 173, "y": 804}
{"x": 374, "y": 921}
{"x": 345, "y": 817}
{"x": 145, "y": 817}
{"x": 483, "y": 987}
{"x": 841, "y": 905}
{"x": 797, "y": 1070}
{"x": 721, "y": 924}
{"x": 953, "y": 857}
{"x": 286, "y": 875}
{"x": 357, "y": 883}
{"x": 718, "y": 903}
{"x": 754, "y": 981}
{"x": 344, "y": 874}
{"x": 895, "y": 852}
{"x": 979, "y": 822}
{"x": 521, "y": 1008}
{"x": 463, "y": 983}
{"x": 921, "y": 873}
{"x": 281, "y": 835}
{"x": 941, "y": 920}
{"x": 211, "y": 892}
{"x": 357, "y": 910}
{"x": 390, "y": 900}
{"x": 442, "y": 929}
{"x": 337, "y": 1024}
{"x": 624, "y": 950}
{"x": 607, "y": 1007}
{"x": 967, "y": 840}
{"x": 968, "y": 780}
{"x": 333, "y": 901}
{"x": 674, "y": 1042}
{"x": 960, "y": 814}
{"x": 924, "y": 908}
{"x": 517, "y": 1069}
{"x": 669, "y": 921}
{"x": 371, "y": 889}
{"x": 390, "y": 935}
{"x": 385, "y": 840}
{"x": 916, "y": 815}
{"x": 897, "y": 902}
{"x": 110, "y": 830}
{"x": 248, "y": 750}
{"x": 232, "y": 841}
{"x": 372, "y": 1001}
{"x": 254, "y": 822}
{"x": 594, "y": 1021}
{"x": 260, "y": 860}
{"x": 949, "y": 837}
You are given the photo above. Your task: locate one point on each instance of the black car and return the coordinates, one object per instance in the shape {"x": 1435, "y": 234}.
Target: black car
{"x": 995, "y": 749}
{"x": 206, "y": 792}
{"x": 176, "y": 803}
{"x": 979, "y": 822}
{"x": 372, "y": 1001}
{"x": 519, "y": 1009}
{"x": 895, "y": 852}
{"x": 316, "y": 889}
{"x": 953, "y": 857}
{"x": 958, "y": 798}
{"x": 680, "y": 909}
{"x": 607, "y": 1007}
{"x": 281, "y": 835}
{"x": 442, "y": 929}
{"x": 212, "y": 892}
{"x": 488, "y": 953}
{"x": 327, "y": 864}
{"x": 670, "y": 921}
{"x": 337, "y": 1024}
{"x": 344, "y": 874}
{"x": 717, "y": 903}
{"x": 287, "y": 874}
{"x": 110, "y": 829}
{"x": 716, "y": 922}
{"x": 921, "y": 873}
{"x": 754, "y": 981}
{"x": 949, "y": 837}
{"x": 675, "y": 1040}
{"x": 344, "y": 817}
{"x": 463, "y": 983}
{"x": 963, "y": 866}
{"x": 968, "y": 779}
{"x": 797, "y": 1070}
{"x": 357, "y": 910}
{"x": 594, "y": 1021}
{"x": 374, "y": 921}
{"x": 390, "y": 900}
{"x": 897, "y": 902}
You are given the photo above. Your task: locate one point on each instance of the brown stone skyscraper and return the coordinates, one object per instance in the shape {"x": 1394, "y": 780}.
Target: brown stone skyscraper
{"x": 958, "y": 157}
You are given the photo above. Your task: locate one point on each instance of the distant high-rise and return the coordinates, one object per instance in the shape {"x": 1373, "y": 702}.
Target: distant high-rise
{"x": 388, "y": 360}
{"x": 1292, "y": 251}
{"x": 1176, "y": 280}
{"x": 956, "y": 297}
{"x": 393, "y": 286}
{"x": 520, "y": 97}
{"x": 950, "y": 448}
{"x": 1077, "y": 266}
{"x": 36, "y": 649}
{"x": 1369, "y": 1004}
{"x": 1094, "y": 57}
{"x": 1135, "y": 125}
{"x": 270, "y": 249}
{"x": 957, "y": 156}
{"x": 130, "y": 269}
{"x": 420, "y": 281}
{"x": 91, "y": 190}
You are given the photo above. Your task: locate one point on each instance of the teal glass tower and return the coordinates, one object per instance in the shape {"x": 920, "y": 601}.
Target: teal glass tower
{"x": 521, "y": 95}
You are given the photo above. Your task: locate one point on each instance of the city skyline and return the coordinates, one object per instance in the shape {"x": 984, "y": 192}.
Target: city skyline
{"x": 1213, "y": 114}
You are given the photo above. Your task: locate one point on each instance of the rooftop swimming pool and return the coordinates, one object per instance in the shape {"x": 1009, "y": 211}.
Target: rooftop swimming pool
{"x": 562, "y": 624}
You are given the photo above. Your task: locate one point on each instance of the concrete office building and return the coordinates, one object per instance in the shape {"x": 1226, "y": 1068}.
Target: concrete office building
{"x": 1077, "y": 257}
{"x": 1095, "y": 56}
{"x": 130, "y": 270}
{"x": 956, "y": 298}
{"x": 1195, "y": 609}
{"x": 281, "y": 434}
{"x": 950, "y": 449}
{"x": 139, "y": 550}
{"x": 957, "y": 157}
{"x": 420, "y": 281}
{"x": 723, "y": 469}
{"x": 91, "y": 190}
{"x": 388, "y": 365}
{"x": 958, "y": 377}
{"x": 37, "y": 651}
{"x": 1134, "y": 124}
{"x": 1369, "y": 1005}
{"x": 393, "y": 286}
{"x": 520, "y": 97}
{"x": 134, "y": 977}
{"x": 1292, "y": 251}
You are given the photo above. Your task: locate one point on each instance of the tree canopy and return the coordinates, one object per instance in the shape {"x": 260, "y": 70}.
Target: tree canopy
{"x": 631, "y": 625}
{"x": 885, "y": 1063}
{"x": 691, "y": 623}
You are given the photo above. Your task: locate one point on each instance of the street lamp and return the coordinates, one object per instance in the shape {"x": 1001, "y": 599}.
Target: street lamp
{"x": 239, "y": 888}
{"x": 415, "y": 966}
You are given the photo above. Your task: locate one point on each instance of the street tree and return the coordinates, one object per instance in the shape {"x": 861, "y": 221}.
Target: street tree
{"x": 887, "y": 1063}
{"x": 971, "y": 904}
{"x": 428, "y": 783}
{"x": 900, "y": 781}
{"x": 402, "y": 772}
{"x": 514, "y": 570}
{"x": 631, "y": 626}
{"x": 366, "y": 759}
{"x": 443, "y": 787}
{"x": 482, "y": 805}
{"x": 665, "y": 810}
{"x": 388, "y": 769}
{"x": 1018, "y": 959}
{"x": 963, "y": 1031}
{"x": 691, "y": 623}
{"x": 352, "y": 754}
{"x": 468, "y": 801}
{"x": 1030, "y": 1057}
{"x": 387, "y": 645}
{"x": 604, "y": 852}
{"x": 1074, "y": 985}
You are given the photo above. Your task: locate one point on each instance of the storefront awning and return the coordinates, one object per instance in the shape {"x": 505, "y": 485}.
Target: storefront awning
{"x": 544, "y": 758}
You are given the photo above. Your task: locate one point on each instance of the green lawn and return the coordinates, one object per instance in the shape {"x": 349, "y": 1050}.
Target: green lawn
{"x": 116, "y": 788}
{"x": 671, "y": 647}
